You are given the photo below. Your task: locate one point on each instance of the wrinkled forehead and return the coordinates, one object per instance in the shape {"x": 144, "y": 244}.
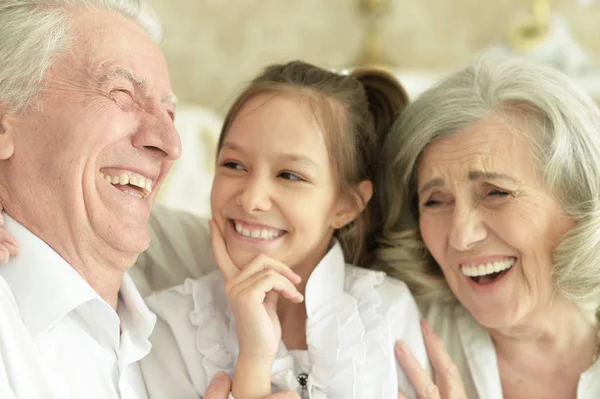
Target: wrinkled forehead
{"x": 489, "y": 145}
{"x": 107, "y": 45}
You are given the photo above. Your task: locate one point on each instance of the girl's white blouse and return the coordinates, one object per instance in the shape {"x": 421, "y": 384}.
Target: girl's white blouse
{"x": 355, "y": 316}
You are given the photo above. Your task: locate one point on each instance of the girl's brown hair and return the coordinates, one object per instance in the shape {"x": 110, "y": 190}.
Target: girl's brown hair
{"x": 355, "y": 110}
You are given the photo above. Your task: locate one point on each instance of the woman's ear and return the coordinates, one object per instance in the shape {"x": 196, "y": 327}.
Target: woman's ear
{"x": 7, "y": 134}
{"x": 350, "y": 208}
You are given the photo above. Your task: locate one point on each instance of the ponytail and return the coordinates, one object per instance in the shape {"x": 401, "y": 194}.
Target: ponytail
{"x": 386, "y": 100}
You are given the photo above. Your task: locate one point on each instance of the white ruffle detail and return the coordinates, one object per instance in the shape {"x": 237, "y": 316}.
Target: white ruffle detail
{"x": 216, "y": 337}
{"x": 338, "y": 336}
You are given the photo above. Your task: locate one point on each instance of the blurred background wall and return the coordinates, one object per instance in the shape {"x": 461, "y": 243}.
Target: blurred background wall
{"x": 214, "y": 46}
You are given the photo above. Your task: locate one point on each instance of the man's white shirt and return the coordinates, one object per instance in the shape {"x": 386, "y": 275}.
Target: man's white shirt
{"x": 58, "y": 337}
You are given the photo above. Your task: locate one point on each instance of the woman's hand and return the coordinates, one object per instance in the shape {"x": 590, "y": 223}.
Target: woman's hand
{"x": 8, "y": 244}
{"x": 253, "y": 292}
{"x": 447, "y": 383}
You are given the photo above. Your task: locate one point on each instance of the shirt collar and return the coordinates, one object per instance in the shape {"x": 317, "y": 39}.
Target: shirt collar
{"x": 137, "y": 321}
{"x": 46, "y": 288}
{"x": 326, "y": 282}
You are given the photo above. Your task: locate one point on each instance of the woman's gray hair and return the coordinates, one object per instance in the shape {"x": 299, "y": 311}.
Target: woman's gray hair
{"x": 567, "y": 151}
{"x": 33, "y": 32}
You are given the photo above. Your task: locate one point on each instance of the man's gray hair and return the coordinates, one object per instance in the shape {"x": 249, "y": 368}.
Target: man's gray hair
{"x": 566, "y": 147}
{"x": 33, "y": 32}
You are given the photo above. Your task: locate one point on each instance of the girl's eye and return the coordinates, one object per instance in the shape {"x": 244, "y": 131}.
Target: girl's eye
{"x": 233, "y": 165}
{"x": 290, "y": 176}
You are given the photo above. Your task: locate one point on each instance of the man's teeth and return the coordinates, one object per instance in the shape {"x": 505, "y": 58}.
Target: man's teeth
{"x": 138, "y": 181}
{"x": 487, "y": 268}
{"x": 262, "y": 234}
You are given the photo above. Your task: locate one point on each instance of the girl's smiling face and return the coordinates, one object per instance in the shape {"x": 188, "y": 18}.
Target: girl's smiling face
{"x": 275, "y": 190}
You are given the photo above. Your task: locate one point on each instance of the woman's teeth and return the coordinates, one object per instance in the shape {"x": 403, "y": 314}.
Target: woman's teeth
{"x": 487, "y": 268}
{"x": 258, "y": 233}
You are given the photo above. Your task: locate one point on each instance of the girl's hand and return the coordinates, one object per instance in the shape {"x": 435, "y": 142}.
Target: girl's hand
{"x": 447, "y": 383}
{"x": 253, "y": 292}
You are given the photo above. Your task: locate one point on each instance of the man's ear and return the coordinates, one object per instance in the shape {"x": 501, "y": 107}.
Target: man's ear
{"x": 7, "y": 134}
{"x": 350, "y": 208}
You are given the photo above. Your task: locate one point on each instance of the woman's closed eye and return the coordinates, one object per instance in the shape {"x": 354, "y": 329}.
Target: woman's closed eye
{"x": 437, "y": 200}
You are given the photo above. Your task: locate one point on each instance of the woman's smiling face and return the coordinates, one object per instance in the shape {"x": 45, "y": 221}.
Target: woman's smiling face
{"x": 489, "y": 221}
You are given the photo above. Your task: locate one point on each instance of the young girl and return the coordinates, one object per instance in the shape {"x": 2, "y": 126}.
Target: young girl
{"x": 285, "y": 312}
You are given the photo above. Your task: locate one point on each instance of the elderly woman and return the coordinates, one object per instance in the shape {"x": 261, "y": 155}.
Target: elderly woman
{"x": 490, "y": 183}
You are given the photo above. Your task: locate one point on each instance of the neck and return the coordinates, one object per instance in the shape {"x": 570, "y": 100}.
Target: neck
{"x": 561, "y": 335}
{"x": 99, "y": 265}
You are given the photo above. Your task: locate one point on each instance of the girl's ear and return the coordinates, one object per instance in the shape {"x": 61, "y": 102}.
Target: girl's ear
{"x": 350, "y": 208}
{"x": 7, "y": 134}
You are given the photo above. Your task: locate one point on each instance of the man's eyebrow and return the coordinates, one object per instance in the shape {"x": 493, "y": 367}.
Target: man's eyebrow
{"x": 473, "y": 175}
{"x": 170, "y": 98}
{"x": 123, "y": 73}
{"x": 135, "y": 80}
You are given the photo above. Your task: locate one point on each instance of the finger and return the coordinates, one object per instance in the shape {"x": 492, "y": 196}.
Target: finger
{"x": 263, "y": 262}
{"x": 5, "y": 236}
{"x": 1, "y": 216}
{"x": 418, "y": 377}
{"x": 402, "y": 396}
{"x": 256, "y": 287}
{"x": 219, "y": 387}
{"x": 12, "y": 249}
{"x": 271, "y": 299}
{"x": 4, "y": 255}
{"x": 281, "y": 395}
{"x": 447, "y": 376}
{"x": 220, "y": 251}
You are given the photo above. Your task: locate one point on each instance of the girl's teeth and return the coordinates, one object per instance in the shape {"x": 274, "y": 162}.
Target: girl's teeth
{"x": 262, "y": 234}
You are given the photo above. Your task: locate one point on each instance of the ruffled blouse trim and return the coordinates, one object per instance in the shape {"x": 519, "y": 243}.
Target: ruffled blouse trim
{"x": 216, "y": 336}
{"x": 338, "y": 335}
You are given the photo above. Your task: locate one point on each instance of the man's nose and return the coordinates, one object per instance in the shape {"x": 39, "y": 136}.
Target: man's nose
{"x": 157, "y": 134}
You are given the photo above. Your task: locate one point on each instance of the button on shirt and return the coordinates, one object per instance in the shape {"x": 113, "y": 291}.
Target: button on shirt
{"x": 58, "y": 337}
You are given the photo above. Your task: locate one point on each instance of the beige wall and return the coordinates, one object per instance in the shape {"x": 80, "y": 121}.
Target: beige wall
{"x": 214, "y": 46}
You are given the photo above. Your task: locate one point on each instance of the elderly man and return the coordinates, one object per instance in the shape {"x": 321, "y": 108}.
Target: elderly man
{"x": 86, "y": 139}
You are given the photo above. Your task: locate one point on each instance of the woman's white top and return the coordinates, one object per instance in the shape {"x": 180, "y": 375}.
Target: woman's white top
{"x": 471, "y": 348}
{"x": 355, "y": 316}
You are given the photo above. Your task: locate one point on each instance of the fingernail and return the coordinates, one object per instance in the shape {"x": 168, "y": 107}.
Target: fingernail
{"x": 426, "y": 327}
{"x": 220, "y": 374}
{"x": 403, "y": 348}
{"x": 12, "y": 249}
